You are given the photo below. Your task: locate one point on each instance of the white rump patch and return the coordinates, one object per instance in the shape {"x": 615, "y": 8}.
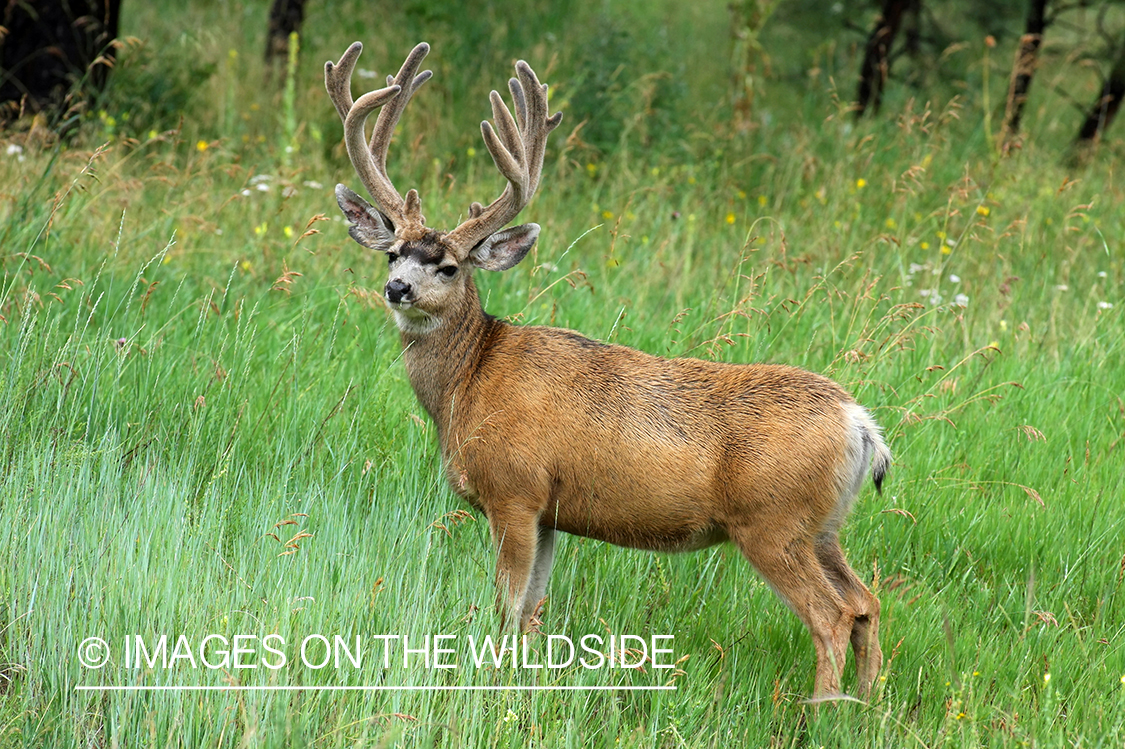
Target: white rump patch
{"x": 865, "y": 455}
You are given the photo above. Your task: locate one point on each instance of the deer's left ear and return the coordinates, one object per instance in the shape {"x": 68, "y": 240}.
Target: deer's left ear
{"x": 505, "y": 248}
{"x": 368, "y": 225}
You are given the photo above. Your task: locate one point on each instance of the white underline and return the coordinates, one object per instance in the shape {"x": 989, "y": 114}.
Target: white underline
{"x": 287, "y": 688}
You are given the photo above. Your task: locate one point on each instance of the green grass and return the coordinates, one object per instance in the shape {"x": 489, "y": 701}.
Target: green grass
{"x": 181, "y": 371}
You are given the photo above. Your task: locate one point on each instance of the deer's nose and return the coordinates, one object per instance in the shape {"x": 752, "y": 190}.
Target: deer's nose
{"x": 397, "y": 290}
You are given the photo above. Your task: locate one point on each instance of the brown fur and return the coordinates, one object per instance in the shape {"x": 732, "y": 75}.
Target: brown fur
{"x": 543, "y": 430}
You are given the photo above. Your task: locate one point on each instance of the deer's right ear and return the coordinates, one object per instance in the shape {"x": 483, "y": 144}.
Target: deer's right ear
{"x": 369, "y": 226}
{"x": 505, "y": 248}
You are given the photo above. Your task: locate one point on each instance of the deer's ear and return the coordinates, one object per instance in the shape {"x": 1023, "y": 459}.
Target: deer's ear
{"x": 369, "y": 226}
{"x": 505, "y": 248}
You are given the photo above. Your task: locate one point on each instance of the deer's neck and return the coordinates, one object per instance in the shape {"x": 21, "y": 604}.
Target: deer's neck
{"x": 442, "y": 360}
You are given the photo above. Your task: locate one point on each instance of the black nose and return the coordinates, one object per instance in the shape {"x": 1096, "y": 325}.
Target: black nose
{"x": 396, "y": 290}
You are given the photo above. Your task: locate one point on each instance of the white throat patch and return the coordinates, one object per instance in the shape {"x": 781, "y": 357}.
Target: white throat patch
{"x": 414, "y": 321}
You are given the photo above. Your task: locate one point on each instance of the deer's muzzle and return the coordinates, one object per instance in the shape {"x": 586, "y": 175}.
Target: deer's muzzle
{"x": 397, "y": 291}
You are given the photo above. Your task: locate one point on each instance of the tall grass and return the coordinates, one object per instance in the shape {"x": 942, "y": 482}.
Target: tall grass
{"x": 207, "y": 429}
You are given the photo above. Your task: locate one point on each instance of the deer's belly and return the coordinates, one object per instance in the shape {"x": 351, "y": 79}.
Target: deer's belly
{"x": 637, "y": 513}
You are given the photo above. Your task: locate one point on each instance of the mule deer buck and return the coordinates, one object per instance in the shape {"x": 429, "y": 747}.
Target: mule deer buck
{"x": 544, "y": 430}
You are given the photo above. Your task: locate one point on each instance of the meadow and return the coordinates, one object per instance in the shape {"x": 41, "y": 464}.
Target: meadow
{"x": 207, "y": 428}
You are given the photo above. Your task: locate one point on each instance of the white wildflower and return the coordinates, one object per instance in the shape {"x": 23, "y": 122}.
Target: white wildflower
{"x": 954, "y": 278}
{"x": 312, "y": 184}
{"x": 961, "y": 300}
{"x": 1105, "y": 305}
{"x": 1062, "y": 287}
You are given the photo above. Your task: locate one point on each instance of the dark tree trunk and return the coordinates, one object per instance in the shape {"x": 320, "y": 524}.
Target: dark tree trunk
{"x": 912, "y": 29}
{"x": 50, "y": 49}
{"x": 285, "y": 19}
{"x": 1027, "y": 59}
{"x": 1108, "y": 102}
{"x": 877, "y": 59}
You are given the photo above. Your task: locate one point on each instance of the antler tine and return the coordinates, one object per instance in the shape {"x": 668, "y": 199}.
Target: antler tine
{"x": 517, "y": 146}
{"x": 370, "y": 159}
{"x": 338, "y": 79}
{"x": 409, "y": 81}
{"x": 536, "y": 111}
{"x": 519, "y": 100}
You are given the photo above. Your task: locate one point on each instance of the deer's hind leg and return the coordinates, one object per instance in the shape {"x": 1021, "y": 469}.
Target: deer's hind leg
{"x": 865, "y": 628}
{"x": 789, "y": 564}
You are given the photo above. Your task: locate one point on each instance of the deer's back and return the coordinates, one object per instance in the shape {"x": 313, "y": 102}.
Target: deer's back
{"x": 598, "y": 433}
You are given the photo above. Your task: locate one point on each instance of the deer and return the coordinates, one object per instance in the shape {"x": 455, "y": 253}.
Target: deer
{"x": 546, "y": 431}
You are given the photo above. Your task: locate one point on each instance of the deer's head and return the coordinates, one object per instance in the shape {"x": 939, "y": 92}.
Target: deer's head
{"x": 430, "y": 270}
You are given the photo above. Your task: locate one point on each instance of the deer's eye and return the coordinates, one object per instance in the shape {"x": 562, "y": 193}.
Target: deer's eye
{"x": 391, "y": 257}
{"x": 449, "y": 271}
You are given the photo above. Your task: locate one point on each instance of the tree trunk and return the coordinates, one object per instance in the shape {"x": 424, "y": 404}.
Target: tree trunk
{"x": 51, "y": 50}
{"x": 876, "y": 60}
{"x": 1108, "y": 102}
{"x": 1027, "y": 58}
{"x": 912, "y": 29}
{"x": 285, "y": 19}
